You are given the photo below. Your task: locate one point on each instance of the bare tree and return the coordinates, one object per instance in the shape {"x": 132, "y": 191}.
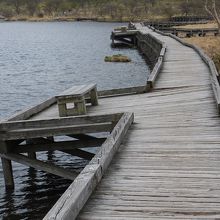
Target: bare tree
{"x": 32, "y": 6}
{"x": 185, "y": 7}
{"x": 211, "y": 8}
{"x": 148, "y": 5}
{"x": 52, "y": 6}
{"x": 17, "y": 5}
{"x": 169, "y": 11}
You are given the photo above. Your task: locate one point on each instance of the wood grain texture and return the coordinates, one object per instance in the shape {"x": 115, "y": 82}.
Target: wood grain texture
{"x": 72, "y": 201}
{"x": 168, "y": 167}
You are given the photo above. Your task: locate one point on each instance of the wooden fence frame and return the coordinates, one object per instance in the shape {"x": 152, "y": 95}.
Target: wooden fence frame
{"x": 75, "y": 197}
{"x": 32, "y": 136}
{"x": 158, "y": 63}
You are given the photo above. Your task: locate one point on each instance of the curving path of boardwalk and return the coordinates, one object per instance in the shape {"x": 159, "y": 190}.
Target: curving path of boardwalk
{"x": 168, "y": 167}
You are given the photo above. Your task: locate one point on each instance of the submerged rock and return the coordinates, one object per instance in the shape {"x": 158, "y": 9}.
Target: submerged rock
{"x": 117, "y": 58}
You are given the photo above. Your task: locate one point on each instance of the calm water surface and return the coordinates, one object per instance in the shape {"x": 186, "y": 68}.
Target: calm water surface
{"x": 39, "y": 60}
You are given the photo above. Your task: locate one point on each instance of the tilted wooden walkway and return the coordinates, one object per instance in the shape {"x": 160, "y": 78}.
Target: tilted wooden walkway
{"x": 169, "y": 165}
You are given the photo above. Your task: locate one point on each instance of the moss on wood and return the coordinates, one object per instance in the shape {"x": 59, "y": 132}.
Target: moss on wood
{"x": 117, "y": 58}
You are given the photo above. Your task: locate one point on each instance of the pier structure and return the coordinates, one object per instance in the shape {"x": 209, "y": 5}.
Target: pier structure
{"x": 168, "y": 164}
{"x": 160, "y": 157}
{"x": 191, "y": 32}
{"x": 172, "y": 26}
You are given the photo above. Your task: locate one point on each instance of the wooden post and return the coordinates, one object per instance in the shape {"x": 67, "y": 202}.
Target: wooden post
{"x": 94, "y": 97}
{"x": 6, "y": 167}
{"x": 81, "y": 106}
{"x": 31, "y": 155}
{"x": 51, "y": 138}
{"x": 8, "y": 174}
{"x": 62, "y": 109}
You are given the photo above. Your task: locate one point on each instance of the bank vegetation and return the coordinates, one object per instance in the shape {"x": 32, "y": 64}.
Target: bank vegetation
{"x": 105, "y": 10}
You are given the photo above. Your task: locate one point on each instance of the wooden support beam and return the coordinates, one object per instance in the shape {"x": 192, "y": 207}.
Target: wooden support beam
{"x": 80, "y": 108}
{"x": 84, "y": 137}
{"x": 8, "y": 173}
{"x": 51, "y": 146}
{"x": 40, "y": 165}
{"x": 52, "y": 140}
{"x": 80, "y": 153}
{"x": 153, "y": 76}
{"x": 23, "y": 115}
{"x": 15, "y": 142}
{"x": 40, "y": 140}
{"x": 56, "y": 130}
{"x": 31, "y": 154}
{"x": 65, "y": 121}
{"x": 94, "y": 97}
{"x": 4, "y": 147}
{"x": 62, "y": 109}
{"x": 72, "y": 201}
{"x": 110, "y": 146}
{"x": 122, "y": 91}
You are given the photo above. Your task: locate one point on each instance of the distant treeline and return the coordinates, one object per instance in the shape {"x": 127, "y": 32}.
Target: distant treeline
{"x": 109, "y": 9}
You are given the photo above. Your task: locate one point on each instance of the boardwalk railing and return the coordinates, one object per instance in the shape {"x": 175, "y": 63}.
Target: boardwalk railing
{"x": 178, "y": 21}
{"x": 31, "y": 111}
{"x": 168, "y": 24}
{"x": 190, "y": 18}
{"x": 215, "y": 77}
{"x": 32, "y": 136}
{"x": 122, "y": 91}
{"x": 149, "y": 46}
{"x": 155, "y": 50}
{"x": 189, "y": 32}
{"x": 73, "y": 200}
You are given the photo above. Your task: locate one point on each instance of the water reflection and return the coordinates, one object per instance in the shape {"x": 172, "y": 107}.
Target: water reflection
{"x": 39, "y": 190}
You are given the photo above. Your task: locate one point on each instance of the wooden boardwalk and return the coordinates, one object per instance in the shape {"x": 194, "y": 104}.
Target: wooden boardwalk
{"x": 168, "y": 167}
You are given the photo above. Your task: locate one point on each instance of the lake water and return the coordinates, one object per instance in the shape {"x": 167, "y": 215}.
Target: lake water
{"x": 39, "y": 60}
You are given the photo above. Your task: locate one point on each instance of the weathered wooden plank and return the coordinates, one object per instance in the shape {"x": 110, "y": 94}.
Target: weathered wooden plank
{"x": 71, "y": 202}
{"x": 54, "y": 131}
{"x": 123, "y": 91}
{"x": 168, "y": 167}
{"x": 153, "y": 75}
{"x": 25, "y": 114}
{"x": 76, "y": 91}
{"x": 214, "y": 73}
{"x": 78, "y": 120}
{"x": 110, "y": 146}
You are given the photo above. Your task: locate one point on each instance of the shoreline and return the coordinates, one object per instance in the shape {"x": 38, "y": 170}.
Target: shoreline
{"x": 66, "y": 19}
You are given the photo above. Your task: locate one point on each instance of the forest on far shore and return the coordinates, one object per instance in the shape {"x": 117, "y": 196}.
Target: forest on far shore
{"x": 114, "y": 10}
